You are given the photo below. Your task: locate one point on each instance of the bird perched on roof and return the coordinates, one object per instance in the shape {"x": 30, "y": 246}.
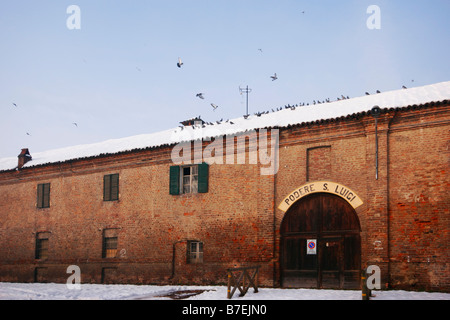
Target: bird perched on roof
{"x": 214, "y": 106}
{"x": 274, "y": 77}
{"x": 200, "y": 95}
{"x": 404, "y": 87}
{"x": 179, "y": 63}
{"x": 367, "y": 94}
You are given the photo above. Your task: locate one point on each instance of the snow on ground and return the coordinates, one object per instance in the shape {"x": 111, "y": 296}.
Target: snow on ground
{"x": 52, "y": 291}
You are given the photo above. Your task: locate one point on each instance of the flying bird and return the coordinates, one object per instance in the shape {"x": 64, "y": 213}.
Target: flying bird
{"x": 179, "y": 63}
{"x": 214, "y": 106}
{"x": 200, "y": 95}
{"x": 15, "y": 105}
{"x": 274, "y": 77}
{"x": 260, "y": 50}
{"x": 75, "y": 124}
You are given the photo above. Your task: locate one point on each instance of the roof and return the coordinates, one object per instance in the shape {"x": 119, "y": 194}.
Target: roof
{"x": 438, "y": 92}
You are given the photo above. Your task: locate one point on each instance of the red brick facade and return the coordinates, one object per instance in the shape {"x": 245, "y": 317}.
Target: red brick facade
{"x": 404, "y": 218}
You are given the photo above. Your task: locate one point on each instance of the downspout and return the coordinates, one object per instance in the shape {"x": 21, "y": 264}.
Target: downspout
{"x": 375, "y": 112}
{"x": 274, "y": 229}
{"x": 388, "y": 201}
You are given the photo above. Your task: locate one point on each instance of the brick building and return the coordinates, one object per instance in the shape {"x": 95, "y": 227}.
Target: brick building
{"x": 343, "y": 185}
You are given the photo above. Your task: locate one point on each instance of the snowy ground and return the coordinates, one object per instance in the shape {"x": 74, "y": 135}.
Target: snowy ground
{"x": 52, "y": 291}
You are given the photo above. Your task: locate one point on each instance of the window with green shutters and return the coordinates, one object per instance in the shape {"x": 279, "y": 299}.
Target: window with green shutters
{"x": 43, "y": 195}
{"x": 189, "y": 179}
{"x": 111, "y": 187}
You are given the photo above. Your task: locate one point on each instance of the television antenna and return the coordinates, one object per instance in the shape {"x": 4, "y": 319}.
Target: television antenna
{"x": 246, "y": 90}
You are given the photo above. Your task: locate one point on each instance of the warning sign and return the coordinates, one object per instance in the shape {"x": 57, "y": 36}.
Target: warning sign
{"x": 311, "y": 246}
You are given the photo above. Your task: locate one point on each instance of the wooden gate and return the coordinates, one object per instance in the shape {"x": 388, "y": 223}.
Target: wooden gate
{"x": 334, "y": 225}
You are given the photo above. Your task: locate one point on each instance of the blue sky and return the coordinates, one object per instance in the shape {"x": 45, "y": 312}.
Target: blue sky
{"x": 116, "y": 76}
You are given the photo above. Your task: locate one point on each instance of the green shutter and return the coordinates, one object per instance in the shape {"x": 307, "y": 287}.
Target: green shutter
{"x": 106, "y": 188}
{"x": 46, "y": 195}
{"x": 40, "y": 193}
{"x": 174, "y": 180}
{"x": 115, "y": 186}
{"x": 43, "y": 195}
{"x": 203, "y": 172}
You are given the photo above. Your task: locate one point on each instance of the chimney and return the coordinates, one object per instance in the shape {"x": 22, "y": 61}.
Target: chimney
{"x": 193, "y": 122}
{"x": 24, "y": 157}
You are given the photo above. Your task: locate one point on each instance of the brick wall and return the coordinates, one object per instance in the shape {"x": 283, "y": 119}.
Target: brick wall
{"x": 404, "y": 219}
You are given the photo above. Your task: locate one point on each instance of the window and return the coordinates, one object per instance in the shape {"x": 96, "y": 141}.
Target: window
{"x": 111, "y": 187}
{"x": 110, "y": 240}
{"x": 189, "y": 179}
{"x": 42, "y": 245}
{"x": 43, "y": 195}
{"x": 195, "y": 252}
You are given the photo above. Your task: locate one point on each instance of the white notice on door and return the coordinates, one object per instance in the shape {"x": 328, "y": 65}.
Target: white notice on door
{"x": 311, "y": 246}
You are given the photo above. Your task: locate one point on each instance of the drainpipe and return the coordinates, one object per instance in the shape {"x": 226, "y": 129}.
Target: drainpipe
{"x": 375, "y": 112}
{"x": 388, "y": 202}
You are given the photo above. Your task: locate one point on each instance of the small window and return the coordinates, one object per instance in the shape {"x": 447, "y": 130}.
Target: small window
{"x": 43, "y": 195}
{"x": 110, "y": 240}
{"x": 41, "y": 245}
{"x": 111, "y": 187}
{"x": 189, "y": 179}
{"x": 195, "y": 252}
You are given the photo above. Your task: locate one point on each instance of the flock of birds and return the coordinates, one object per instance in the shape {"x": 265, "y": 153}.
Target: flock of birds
{"x": 274, "y": 77}
{"x": 200, "y": 95}
{"x": 292, "y": 107}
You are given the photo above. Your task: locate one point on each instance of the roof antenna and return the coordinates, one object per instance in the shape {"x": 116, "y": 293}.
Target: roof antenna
{"x": 247, "y": 91}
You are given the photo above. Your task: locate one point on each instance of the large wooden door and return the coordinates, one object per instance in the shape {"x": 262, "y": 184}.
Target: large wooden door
{"x": 333, "y": 223}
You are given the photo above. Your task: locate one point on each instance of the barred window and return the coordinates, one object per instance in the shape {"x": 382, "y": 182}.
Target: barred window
{"x": 41, "y": 245}
{"x": 110, "y": 240}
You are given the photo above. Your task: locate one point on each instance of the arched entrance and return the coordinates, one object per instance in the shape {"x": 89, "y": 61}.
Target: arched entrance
{"x": 335, "y": 262}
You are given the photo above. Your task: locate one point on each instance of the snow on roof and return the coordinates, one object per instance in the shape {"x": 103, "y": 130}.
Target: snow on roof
{"x": 285, "y": 117}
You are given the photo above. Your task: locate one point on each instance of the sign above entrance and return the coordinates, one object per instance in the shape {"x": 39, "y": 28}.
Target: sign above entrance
{"x": 321, "y": 186}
